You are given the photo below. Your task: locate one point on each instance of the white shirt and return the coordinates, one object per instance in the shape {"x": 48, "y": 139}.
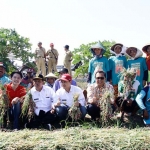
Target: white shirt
{"x": 66, "y": 98}
{"x": 44, "y": 99}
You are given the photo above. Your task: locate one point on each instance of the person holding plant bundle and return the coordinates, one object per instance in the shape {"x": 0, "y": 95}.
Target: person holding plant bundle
{"x": 71, "y": 100}
{"x": 15, "y": 94}
{"x": 98, "y": 61}
{"x": 146, "y": 50}
{"x": 116, "y": 63}
{"x": 137, "y": 62}
{"x": 98, "y": 94}
{"x": 128, "y": 88}
{"x": 40, "y": 104}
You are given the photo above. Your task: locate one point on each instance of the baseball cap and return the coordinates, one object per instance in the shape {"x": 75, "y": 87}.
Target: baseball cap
{"x": 2, "y": 65}
{"x": 66, "y": 77}
{"x": 63, "y": 70}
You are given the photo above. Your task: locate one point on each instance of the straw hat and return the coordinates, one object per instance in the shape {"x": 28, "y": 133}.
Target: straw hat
{"x": 115, "y": 45}
{"x": 51, "y": 75}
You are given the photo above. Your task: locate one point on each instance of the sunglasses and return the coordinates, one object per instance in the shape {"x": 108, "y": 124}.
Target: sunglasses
{"x": 102, "y": 78}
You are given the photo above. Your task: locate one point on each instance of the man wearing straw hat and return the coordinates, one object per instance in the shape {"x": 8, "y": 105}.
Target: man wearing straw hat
{"x": 50, "y": 79}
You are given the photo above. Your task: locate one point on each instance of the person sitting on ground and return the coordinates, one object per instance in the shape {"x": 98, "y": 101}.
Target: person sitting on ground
{"x": 143, "y": 101}
{"x": 3, "y": 78}
{"x": 50, "y": 79}
{"x": 66, "y": 95}
{"x": 15, "y": 93}
{"x": 43, "y": 98}
{"x": 57, "y": 85}
{"x": 95, "y": 92}
{"x": 128, "y": 88}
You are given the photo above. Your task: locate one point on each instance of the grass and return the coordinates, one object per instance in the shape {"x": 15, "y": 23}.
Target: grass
{"x": 77, "y": 138}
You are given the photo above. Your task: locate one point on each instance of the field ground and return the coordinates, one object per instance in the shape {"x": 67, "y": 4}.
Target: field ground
{"x": 88, "y": 135}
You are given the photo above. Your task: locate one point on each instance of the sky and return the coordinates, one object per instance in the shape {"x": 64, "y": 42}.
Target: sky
{"x": 76, "y": 22}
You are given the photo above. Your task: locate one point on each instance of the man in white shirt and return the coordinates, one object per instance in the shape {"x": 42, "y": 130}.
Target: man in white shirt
{"x": 43, "y": 97}
{"x": 66, "y": 100}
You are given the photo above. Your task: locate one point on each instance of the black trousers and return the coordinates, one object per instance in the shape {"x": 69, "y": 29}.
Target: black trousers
{"x": 42, "y": 119}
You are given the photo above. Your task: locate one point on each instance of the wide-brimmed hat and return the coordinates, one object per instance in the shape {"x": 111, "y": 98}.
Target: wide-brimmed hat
{"x": 115, "y": 45}
{"x": 39, "y": 77}
{"x": 51, "y": 75}
{"x": 144, "y": 49}
{"x": 66, "y": 77}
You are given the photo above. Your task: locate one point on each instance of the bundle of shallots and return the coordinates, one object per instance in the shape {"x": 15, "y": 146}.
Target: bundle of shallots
{"x": 74, "y": 111}
{"x": 105, "y": 106}
{"x": 4, "y": 105}
{"x": 28, "y": 106}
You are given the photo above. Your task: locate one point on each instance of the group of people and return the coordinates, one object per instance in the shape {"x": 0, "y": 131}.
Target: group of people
{"x": 52, "y": 55}
{"x": 54, "y": 97}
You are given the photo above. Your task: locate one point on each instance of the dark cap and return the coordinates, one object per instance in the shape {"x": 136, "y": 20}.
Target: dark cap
{"x": 66, "y": 46}
{"x": 63, "y": 70}
{"x": 39, "y": 42}
{"x": 2, "y": 65}
{"x": 38, "y": 77}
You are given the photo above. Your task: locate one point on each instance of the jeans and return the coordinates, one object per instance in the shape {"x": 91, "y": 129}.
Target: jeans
{"x": 62, "y": 112}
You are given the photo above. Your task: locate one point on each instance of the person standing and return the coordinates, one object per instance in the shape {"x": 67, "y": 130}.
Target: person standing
{"x": 40, "y": 59}
{"x": 52, "y": 59}
{"x": 68, "y": 59}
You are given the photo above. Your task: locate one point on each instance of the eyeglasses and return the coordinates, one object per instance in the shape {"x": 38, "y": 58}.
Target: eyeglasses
{"x": 102, "y": 78}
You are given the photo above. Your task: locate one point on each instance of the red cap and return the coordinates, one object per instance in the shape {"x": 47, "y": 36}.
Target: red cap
{"x": 66, "y": 77}
{"x": 51, "y": 44}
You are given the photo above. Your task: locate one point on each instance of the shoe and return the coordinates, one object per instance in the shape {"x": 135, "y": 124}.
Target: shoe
{"x": 48, "y": 127}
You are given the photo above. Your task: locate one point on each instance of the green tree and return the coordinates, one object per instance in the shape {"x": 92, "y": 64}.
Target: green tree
{"x": 84, "y": 55}
{"x": 19, "y": 46}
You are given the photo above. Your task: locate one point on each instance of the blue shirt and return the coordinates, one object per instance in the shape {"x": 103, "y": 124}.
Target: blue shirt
{"x": 5, "y": 80}
{"x": 116, "y": 65}
{"x": 140, "y": 65}
{"x": 101, "y": 62}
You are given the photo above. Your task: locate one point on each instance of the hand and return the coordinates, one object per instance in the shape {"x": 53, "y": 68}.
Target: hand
{"x": 145, "y": 114}
{"x": 93, "y": 101}
{"x": 52, "y": 111}
{"x": 15, "y": 100}
{"x": 76, "y": 104}
{"x": 58, "y": 103}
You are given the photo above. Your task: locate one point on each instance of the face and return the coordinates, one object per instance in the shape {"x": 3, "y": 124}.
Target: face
{"x": 39, "y": 45}
{"x": 148, "y": 50}
{"x": 51, "y": 46}
{"x": 97, "y": 51}
{"x": 100, "y": 78}
{"x": 38, "y": 83}
{"x": 133, "y": 52}
{"x": 117, "y": 50}
{"x": 65, "y": 84}
{"x": 50, "y": 80}
{"x": 2, "y": 71}
{"x": 16, "y": 79}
